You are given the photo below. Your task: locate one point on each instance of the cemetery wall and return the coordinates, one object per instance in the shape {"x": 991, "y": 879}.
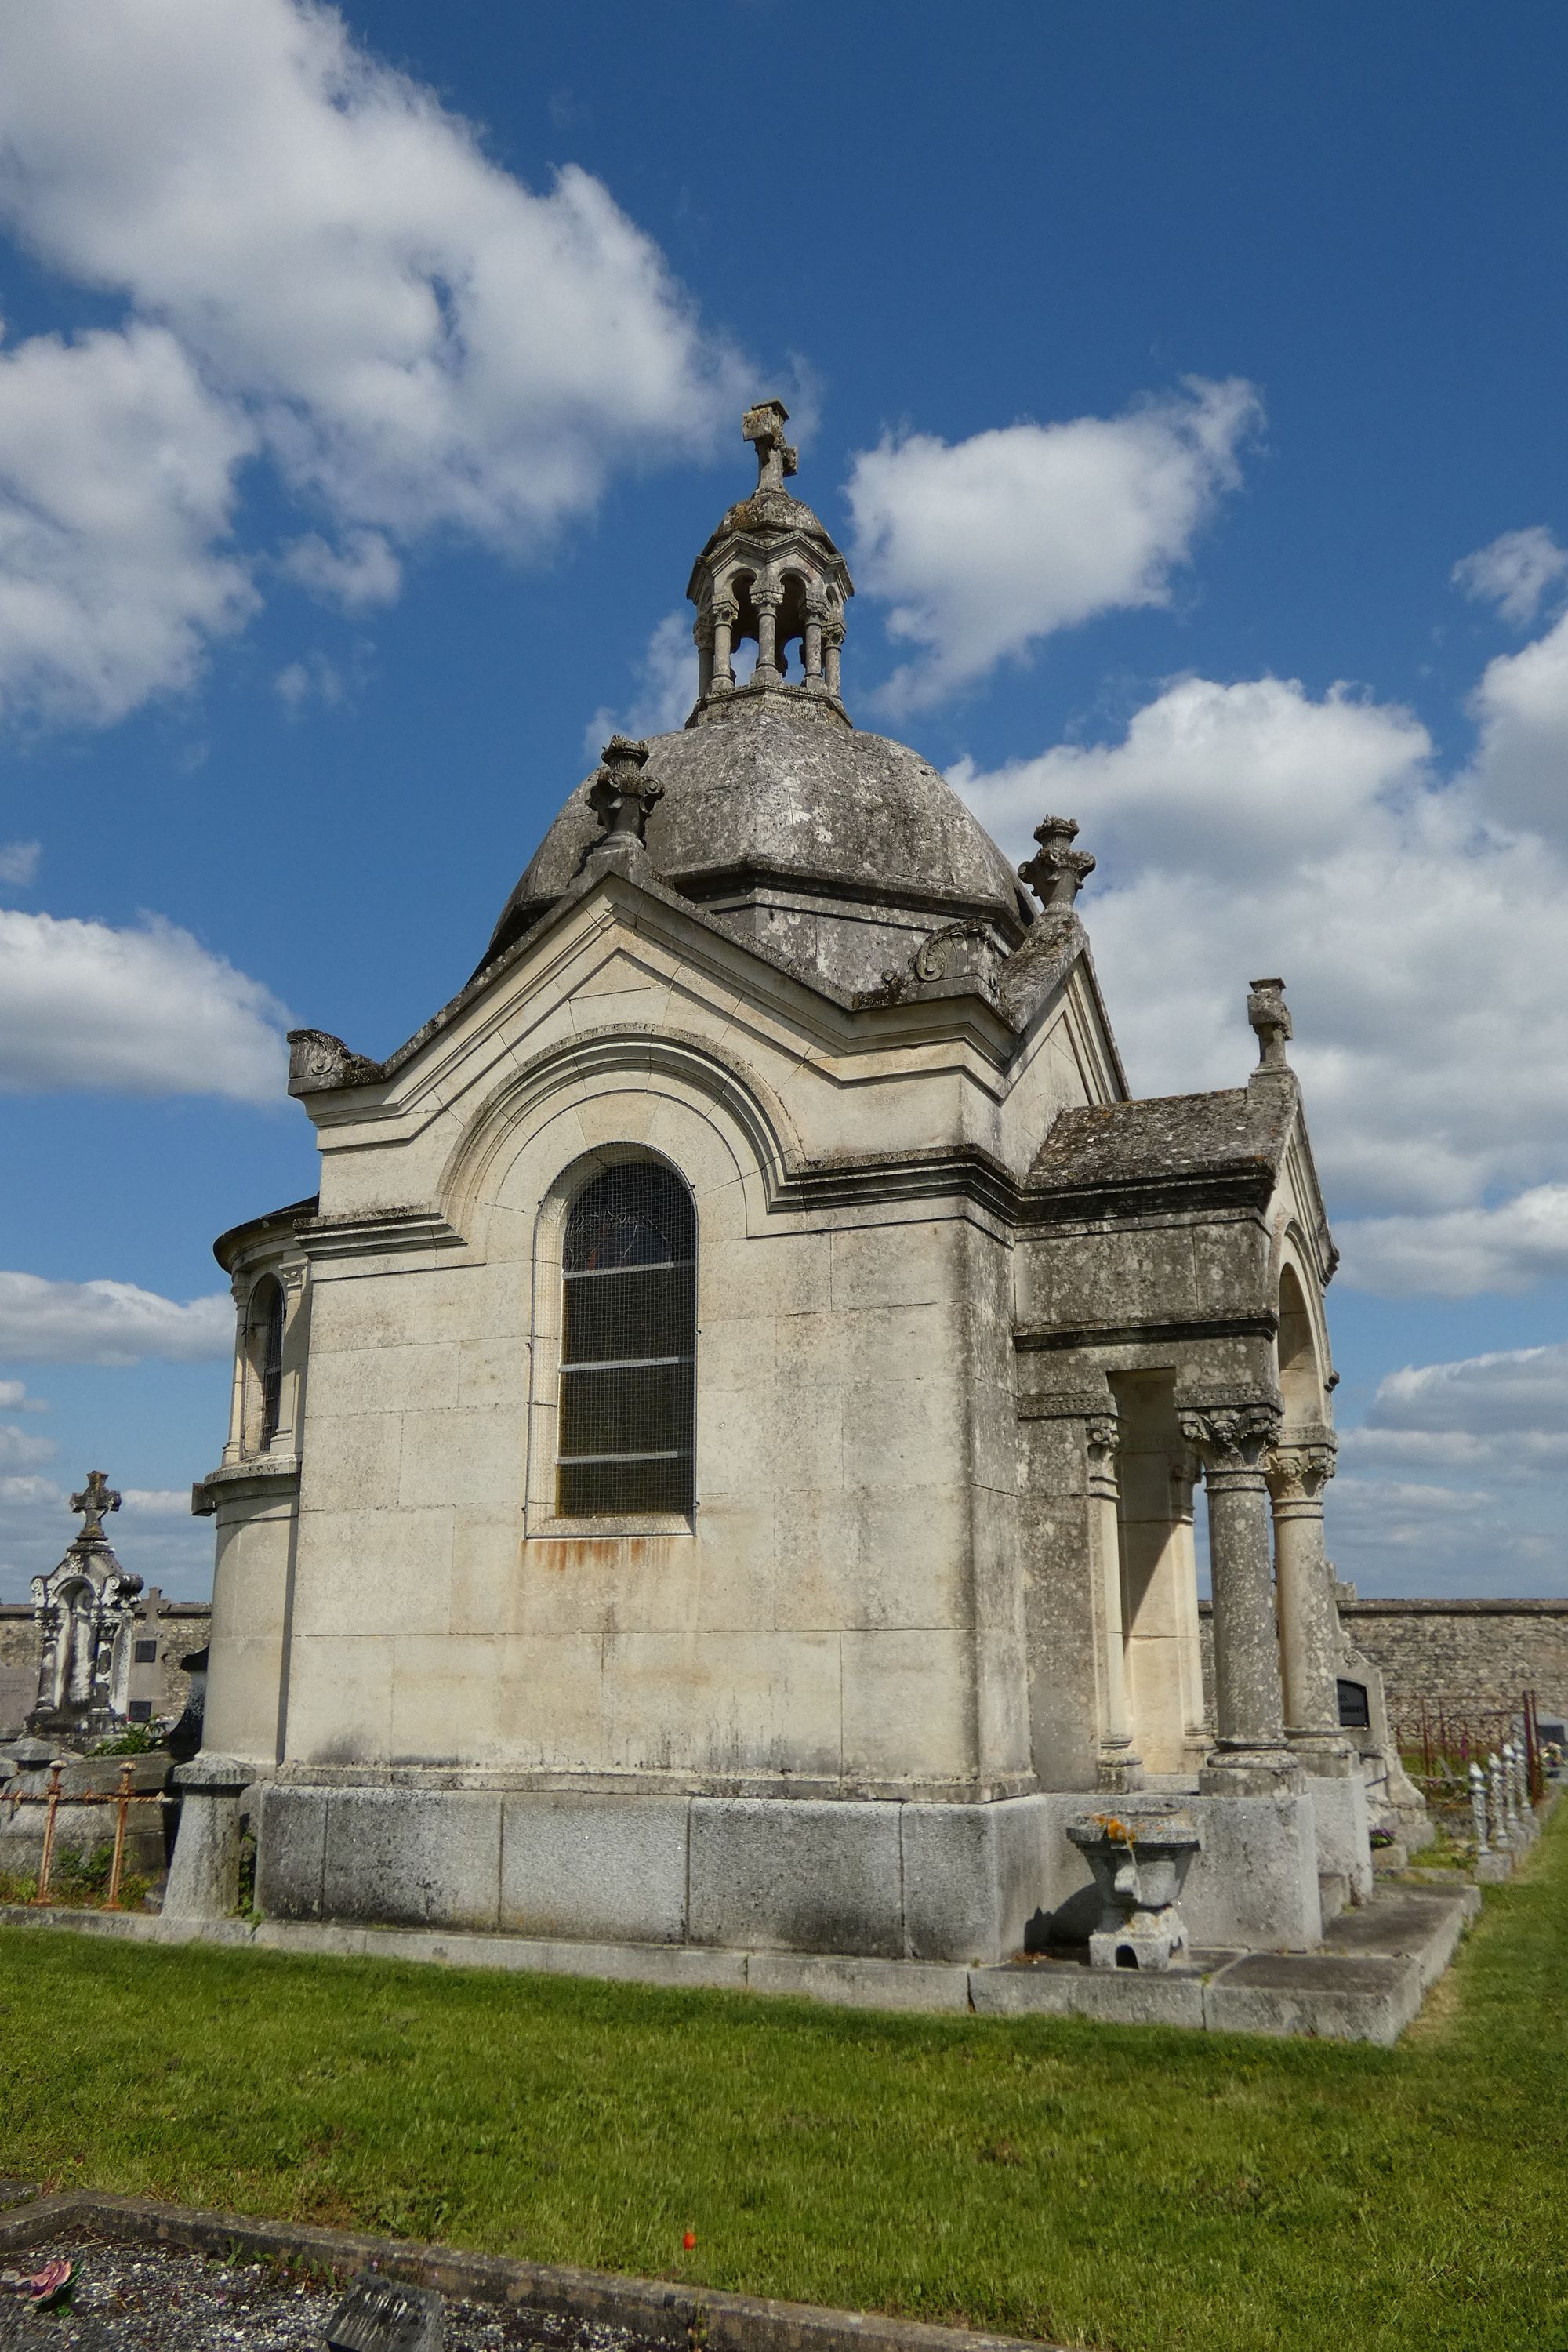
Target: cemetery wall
{"x": 1482, "y": 1654}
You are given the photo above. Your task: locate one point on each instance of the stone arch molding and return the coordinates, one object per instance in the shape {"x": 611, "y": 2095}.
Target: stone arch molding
{"x": 746, "y": 1120}
{"x": 1291, "y": 1270}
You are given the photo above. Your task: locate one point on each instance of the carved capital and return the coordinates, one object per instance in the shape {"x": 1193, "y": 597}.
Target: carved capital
{"x": 1230, "y": 1437}
{"x": 725, "y": 610}
{"x": 1102, "y": 1434}
{"x": 1057, "y": 871}
{"x": 1297, "y": 1474}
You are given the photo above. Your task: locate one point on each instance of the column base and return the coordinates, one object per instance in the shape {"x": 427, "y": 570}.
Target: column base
{"x": 1324, "y": 1755}
{"x": 1118, "y": 1771}
{"x": 1251, "y": 1772}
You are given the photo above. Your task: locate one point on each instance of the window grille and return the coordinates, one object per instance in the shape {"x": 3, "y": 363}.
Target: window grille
{"x": 629, "y": 1333}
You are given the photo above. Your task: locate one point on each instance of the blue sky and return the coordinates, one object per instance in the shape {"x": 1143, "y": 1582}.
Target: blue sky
{"x": 356, "y": 435}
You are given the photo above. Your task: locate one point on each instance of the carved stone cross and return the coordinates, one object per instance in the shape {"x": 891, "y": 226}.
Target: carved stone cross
{"x": 96, "y": 1497}
{"x": 763, "y": 426}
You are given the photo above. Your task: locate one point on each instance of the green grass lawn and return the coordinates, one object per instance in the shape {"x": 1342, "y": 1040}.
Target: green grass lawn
{"x": 1114, "y": 2187}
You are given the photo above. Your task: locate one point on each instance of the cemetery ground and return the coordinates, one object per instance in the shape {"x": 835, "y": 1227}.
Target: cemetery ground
{"x": 1122, "y": 2187}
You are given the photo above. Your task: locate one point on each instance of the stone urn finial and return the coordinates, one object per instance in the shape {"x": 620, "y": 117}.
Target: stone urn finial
{"x": 1269, "y": 1018}
{"x": 1140, "y": 1856}
{"x": 1057, "y": 872}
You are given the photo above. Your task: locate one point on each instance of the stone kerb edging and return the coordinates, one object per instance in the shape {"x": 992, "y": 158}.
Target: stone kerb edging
{"x": 1365, "y": 1984}
{"x": 658, "y": 2308}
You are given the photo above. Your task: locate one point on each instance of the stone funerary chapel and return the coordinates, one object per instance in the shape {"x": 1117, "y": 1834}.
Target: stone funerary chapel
{"x": 714, "y": 1466}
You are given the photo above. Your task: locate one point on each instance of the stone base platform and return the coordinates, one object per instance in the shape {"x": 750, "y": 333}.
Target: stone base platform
{"x": 1365, "y": 1984}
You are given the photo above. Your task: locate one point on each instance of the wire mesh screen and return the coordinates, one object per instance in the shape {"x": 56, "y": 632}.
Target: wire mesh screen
{"x": 629, "y": 1346}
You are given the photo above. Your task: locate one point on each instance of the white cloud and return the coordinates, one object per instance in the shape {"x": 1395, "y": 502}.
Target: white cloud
{"x": 19, "y": 862}
{"x": 149, "y": 1010}
{"x": 18, "y": 1452}
{"x": 117, "y": 491}
{"x": 157, "y": 1502}
{"x": 1462, "y": 1251}
{"x": 361, "y": 573}
{"x": 1514, "y": 573}
{"x": 1252, "y": 828}
{"x": 324, "y": 265}
{"x": 984, "y": 546}
{"x": 111, "y": 1323}
{"x": 667, "y": 688}
{"x": 315, "y": 678}
{"x": 1397, "y": 1521}
{"x": 1521, "y": 709}
{"x": 1505, "y": 1412}
{"x": 14, "y": 1398}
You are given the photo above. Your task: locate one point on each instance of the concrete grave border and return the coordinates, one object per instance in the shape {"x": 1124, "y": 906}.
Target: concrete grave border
{"x": 663, "y": 2310}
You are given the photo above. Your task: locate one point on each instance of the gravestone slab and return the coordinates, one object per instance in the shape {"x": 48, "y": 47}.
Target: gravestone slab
{"x": 383, "y": 2314}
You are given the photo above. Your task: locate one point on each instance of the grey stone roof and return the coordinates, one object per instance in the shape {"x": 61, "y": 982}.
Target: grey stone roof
{"x": 1240, "y": 1131}
{"x": 778, "y": 792}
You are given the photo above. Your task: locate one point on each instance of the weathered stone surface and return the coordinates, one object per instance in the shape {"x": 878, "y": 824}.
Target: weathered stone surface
{"x": 598, "y": 1868}
{"x": 414, "y": 1856}
{"x": 793, "y": 1875}
{"x": 1369, "y": 1998}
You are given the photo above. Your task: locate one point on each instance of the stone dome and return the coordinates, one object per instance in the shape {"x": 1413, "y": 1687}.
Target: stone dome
{"x": 839, "y": 850}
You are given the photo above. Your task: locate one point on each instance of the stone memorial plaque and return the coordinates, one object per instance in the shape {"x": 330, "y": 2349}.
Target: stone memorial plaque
{"x": 382, "y": 2315}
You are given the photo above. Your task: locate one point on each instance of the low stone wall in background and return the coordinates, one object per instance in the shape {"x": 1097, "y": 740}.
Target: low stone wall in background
{"x": 1454, "y": 1655}
{"x": 1449, "y": 1650}
{"x": 159, "y": 1686}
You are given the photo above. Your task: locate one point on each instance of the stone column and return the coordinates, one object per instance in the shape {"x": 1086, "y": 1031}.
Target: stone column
{"x": 767, "y": 599}
{"x": 832, "y": 646}
{"x": 811, "y": 651}
{"x": 725, "y": 613}
{"x": 1296, "y": 1475}
{"x": 1250, "y": 1756}
{"x": 1196, "y": 1735}
{"x": 703, "y": 638}
{"x": 203, "y": 1877}
{"x": 235, "y": 1449}
{"x": 1121, "y": 1767}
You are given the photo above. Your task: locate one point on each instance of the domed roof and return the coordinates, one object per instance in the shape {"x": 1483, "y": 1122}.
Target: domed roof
{"x": 777, "y": 794}
{"x": 837, "y": 853}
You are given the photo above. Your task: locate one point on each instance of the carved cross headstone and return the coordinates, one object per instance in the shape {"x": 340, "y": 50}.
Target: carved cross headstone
{"x": 383, "y": 2314}
{"x": 96, "y": 1497}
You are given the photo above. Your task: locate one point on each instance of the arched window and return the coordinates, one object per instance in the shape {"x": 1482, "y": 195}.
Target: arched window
{"x": 628, "y": 1334}
{"x": 266, "y": 1321}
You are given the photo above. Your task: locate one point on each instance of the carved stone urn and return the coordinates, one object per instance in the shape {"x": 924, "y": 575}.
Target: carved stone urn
{"x": 1140, "y": 1856}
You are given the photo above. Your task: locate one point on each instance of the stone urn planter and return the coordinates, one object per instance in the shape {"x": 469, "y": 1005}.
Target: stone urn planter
{"x": 1140, "y": 1855}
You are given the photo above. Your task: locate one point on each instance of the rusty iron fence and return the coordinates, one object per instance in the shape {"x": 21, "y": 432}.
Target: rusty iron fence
{"x": 1441, "y": 1737}
{"x": 54, "y": 1796}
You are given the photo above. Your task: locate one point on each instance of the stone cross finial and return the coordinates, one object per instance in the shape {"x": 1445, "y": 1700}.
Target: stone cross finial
{"x": 1057, "y": 872}
{"x": 622, "y": 796}
{"x": 96, "y": 1497}
{"x": 1270, "y": 1018}
{"x": 763, "y": 426}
